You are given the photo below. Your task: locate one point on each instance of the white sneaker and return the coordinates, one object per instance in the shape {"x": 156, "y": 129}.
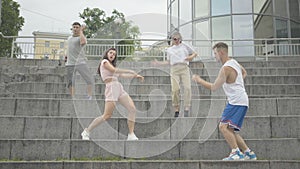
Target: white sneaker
{"x": 237, "y": 155}
{"x": 85, "y": 135}
{"x": 132, "y": 137}
{"x": 89, "y": 97}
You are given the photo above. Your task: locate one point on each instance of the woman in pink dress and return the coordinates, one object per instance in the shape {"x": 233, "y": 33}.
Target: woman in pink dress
{"x": 114, "y": 92}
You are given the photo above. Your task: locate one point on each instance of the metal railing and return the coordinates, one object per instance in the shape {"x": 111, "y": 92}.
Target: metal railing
{"x": 148, "y": 49}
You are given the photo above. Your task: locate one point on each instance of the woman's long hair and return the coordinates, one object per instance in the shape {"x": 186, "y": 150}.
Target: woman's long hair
{"x": 114, "y": 62}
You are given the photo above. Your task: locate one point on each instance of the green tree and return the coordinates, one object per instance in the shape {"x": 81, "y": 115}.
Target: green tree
{"x": 108, "y": 27}
{"x": 11, "y": 24}
{"x": 100, "y": 26}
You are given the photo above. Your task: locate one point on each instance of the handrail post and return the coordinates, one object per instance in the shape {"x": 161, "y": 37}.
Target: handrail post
{"x": 266, "y": 48}
{"x": 12, "y": 48}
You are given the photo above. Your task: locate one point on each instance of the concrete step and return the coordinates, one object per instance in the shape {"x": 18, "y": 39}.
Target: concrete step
{"x": 141, "y": 88}
{"x": 133, "y": 96}
{"x": 49, "y": 129}
{"x": 52, "y": 149}
{"x": 198, "y": 68}
{"x": 150, "y": 78}
{"x": 21, "y": 72}
{"x": 93, "y": 63}
{"x": 145, "y": 108}
{"x": 207, "y": 64}
{"x": 254, "y": 127}
{"x": 249, "y": 64}
{"x": 151, "y": 164}
{"x": 39, "y": 65}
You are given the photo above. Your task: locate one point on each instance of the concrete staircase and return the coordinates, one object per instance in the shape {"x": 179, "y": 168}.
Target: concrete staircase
{"x": 40, "y": 124}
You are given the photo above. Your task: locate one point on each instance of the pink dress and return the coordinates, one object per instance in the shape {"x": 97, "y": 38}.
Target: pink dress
{"x": 114, "y": 89}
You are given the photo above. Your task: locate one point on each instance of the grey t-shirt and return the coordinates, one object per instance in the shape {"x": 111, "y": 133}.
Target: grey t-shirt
{"x": 75, "y": 52}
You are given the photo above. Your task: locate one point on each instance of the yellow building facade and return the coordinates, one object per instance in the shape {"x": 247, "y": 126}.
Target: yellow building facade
{"x": 49, "y": 45}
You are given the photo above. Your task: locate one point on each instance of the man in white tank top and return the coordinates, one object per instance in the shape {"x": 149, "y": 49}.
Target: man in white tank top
{"x": 231, "y": 78}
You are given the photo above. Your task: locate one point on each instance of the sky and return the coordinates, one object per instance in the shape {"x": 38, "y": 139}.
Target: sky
{"x": 58, "y": 15}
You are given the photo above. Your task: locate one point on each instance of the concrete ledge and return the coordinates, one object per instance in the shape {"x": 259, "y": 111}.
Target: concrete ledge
{"x": 39, "y": 149}
{"x": 152, "y": 149}
{"x": 151, "y": 164}
{"x": 97, "y": 149}
{"x": 145, "y": 108}
{"x": 288, "y": 106}
{"x": 258, "y": 127}
{"x": 151, "y": 77}
{"x": 141, "y": 88}
{"x": 93, "y": 63}
{"x": 32, "y": 165}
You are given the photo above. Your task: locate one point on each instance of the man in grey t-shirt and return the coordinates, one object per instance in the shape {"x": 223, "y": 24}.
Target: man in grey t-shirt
{"x": 76, "y": 60}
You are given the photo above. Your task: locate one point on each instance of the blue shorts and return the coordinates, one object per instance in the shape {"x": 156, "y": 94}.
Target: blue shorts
{"x": 233, "y": 115}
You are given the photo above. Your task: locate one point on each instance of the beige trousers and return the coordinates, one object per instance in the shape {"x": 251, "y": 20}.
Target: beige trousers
{"x": 180, "y": 73}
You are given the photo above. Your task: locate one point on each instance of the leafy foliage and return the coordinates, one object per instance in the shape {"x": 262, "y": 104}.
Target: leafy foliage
{"x": 11, "y": 24}
{"x": 100, "y": 26}
{"x": 108, "y": 27}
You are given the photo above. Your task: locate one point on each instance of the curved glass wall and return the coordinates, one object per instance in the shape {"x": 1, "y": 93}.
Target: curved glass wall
{"x": 185, "y": 11}
{"x": 237, "y": 22}
{"x": 241, "y": 6}
{"x": 221, "y": 28}
{"x": 220, "y": 7}
{"x": 201, "y": 8}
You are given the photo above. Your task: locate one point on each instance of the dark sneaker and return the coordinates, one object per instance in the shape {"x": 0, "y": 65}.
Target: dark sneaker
{"x": 186, "y": 113}
{"x": 176, "y": 114}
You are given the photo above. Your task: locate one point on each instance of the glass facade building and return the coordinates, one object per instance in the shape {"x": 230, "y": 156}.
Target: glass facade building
{"x": 237, "y": 22}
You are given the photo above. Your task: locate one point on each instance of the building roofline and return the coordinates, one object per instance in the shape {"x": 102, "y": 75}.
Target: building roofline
{"x": 55, "y": 35}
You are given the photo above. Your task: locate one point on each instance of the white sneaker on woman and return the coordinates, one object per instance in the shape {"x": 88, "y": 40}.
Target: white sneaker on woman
{"x": 132, "y": 137}
{"x": 85, "y": 135}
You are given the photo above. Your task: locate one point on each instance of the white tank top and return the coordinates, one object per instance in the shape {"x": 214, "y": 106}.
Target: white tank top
{"x": 235, "y": 92}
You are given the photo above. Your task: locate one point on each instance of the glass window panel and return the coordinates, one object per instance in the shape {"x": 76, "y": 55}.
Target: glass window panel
{"x": 221, "y": 28}
{"x": 262, "y": 6}
{"x": 202, "y": 30}
{"x": 47, "y": 44}
{"x": 61, "y": 44}
{"x": 201, "y": 8}
{"x": 243, "y": 48}
{"x": 295, "y": 30}
{"x": 186, "y": 31}
{"x": 294, "y": 9}
{"x": 242, "y": 27}
{"x": 280, "y": 7}
{"x": 281, "y": 28}
{"x": 263, "y": 27}
{"x": 220, "y": 7}
{"x": 202, "y": 34}
{"x": 185, "y": 11}
{"x": 241, "y": 6}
